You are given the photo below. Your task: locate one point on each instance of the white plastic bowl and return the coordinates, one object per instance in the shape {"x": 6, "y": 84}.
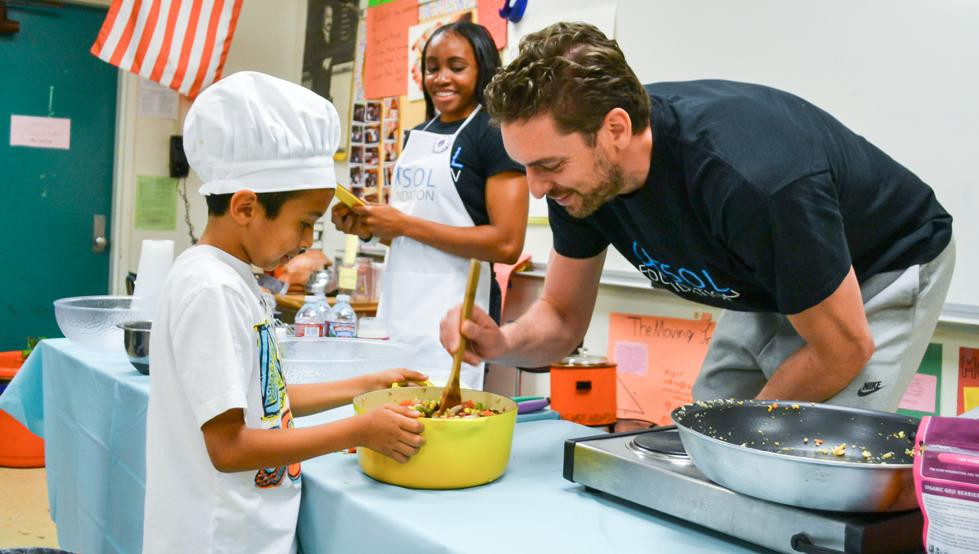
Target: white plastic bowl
{"x": 91, "y": 321}
{"x": 315, "y": 360}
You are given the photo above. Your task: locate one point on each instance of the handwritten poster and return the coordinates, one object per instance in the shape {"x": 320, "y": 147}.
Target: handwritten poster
{"x": 40, "y": 132}
{"x": 488, "y": 15}
{"x": 658, "y": 361}
{"x": 924, "y": 394}
{"x": 387, "y": 48}
{"x": 968, "y": 379}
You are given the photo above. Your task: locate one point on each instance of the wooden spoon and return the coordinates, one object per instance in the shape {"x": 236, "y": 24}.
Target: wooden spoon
{"x": 451, "y": 395}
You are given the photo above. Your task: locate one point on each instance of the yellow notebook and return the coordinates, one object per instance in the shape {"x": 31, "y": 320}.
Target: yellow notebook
{"x": 347, "y": 197}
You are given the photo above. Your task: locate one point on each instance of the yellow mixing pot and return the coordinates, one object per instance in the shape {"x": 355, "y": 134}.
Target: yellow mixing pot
{"x": 458, "y": 453}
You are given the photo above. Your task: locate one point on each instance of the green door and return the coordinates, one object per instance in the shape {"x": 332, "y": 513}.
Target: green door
{"x": 49, "y": 198}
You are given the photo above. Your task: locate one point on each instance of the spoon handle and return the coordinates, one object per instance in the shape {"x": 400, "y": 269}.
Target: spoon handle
{"x": 452, "y": 395}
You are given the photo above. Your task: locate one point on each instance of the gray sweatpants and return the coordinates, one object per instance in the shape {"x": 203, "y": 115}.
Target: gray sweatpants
{"x": 902, "y": 309}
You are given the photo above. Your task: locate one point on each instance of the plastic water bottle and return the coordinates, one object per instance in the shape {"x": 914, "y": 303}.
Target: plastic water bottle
{"x": 309, "y": 319}
{"x": 325, "y": 313}
{"x": 344, "y": 321}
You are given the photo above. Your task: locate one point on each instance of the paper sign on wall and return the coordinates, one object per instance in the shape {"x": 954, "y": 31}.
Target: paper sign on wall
{"x": 157, "y": 100}
{"x": 387, "y": 48}
{"x": 923, "y": 397}
{"x": 40, "y": 132}
{"x": 658, "y": 360}
{"x": 488, "y": 16}
{"x": 156, "y": 203}
{"x": 968, "y": 379}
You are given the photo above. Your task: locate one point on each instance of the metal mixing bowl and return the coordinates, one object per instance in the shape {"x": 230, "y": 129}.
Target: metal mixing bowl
{"x": 136, "y": 338}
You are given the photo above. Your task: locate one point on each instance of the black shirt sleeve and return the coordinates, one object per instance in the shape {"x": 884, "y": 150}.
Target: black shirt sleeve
{"x": 477, "y": 155}
{"x": 792, "y": 239}
{"x": 492, "y": 154}
{"x": 574, "y": 238}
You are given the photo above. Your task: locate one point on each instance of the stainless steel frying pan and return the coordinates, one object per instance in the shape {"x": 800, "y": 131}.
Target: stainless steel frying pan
{"x": 803, "y": 454}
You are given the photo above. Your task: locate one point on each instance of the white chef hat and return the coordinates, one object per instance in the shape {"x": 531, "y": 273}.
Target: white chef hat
{"x": 257, "y": 132}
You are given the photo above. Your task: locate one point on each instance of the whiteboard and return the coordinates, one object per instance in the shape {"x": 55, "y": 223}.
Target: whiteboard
{"x": 904, "y": 74}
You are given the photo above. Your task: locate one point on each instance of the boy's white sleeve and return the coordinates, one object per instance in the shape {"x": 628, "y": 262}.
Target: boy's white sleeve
{"x": 213, "y": 351}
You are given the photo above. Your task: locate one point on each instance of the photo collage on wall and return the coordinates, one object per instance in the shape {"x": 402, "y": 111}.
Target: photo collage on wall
{"x": 374, "y": 148}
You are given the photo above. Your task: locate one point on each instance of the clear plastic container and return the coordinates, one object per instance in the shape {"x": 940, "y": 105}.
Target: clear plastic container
{"x": 91, "y": 321}
{"x": 344, "y": 321}
{"x": 331, "y": 359}
{"x": 310, "y": 320}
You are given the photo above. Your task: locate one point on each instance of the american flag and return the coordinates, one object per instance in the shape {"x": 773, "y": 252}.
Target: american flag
{"x": 181, "y": 44}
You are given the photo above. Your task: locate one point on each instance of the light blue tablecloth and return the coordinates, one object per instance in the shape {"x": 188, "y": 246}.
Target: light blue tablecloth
{"x": 91, "y": 410}
{"x": 531, "y": 508}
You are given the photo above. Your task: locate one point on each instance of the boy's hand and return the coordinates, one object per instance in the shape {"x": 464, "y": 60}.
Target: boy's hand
{"x": 384, "y": 379}
{"x": 393, "y": 431}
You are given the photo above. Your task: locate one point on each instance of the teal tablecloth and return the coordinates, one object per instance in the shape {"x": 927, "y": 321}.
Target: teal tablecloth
{"x": 91, "y": 410}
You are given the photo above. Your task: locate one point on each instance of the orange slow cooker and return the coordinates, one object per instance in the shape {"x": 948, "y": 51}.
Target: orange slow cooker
{"x": 583, "y": 389}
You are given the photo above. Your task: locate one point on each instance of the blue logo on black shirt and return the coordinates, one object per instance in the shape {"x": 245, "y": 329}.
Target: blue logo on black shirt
{"x": 455, "y": 167}
{"x": 681, "y": 280}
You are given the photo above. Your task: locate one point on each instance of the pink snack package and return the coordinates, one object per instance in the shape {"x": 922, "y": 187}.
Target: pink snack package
{"x": 946, "y": 481}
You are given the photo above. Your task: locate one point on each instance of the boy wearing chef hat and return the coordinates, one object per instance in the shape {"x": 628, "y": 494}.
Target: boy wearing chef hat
{"x": 223, "y": 458}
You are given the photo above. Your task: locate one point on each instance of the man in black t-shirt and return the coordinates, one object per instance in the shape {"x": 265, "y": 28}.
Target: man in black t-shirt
{"x": 831, "y": 259}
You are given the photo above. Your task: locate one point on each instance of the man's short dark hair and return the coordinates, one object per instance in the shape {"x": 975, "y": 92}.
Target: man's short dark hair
{"x": 573, "y": 72}
{"x": 217, "y": 204}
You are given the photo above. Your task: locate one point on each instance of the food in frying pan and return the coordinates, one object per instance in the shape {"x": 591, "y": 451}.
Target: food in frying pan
{"x": 863, "y": 450}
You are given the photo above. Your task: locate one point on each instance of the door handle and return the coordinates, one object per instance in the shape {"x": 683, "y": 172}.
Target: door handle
{"x": 99, "y": 242}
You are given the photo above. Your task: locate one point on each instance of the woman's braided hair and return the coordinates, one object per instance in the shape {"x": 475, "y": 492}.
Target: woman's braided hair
{"x": 573, "y": 72}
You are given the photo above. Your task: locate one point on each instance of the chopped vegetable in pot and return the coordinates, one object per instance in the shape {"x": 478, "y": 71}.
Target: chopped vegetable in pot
{"x": 466, "y": 410}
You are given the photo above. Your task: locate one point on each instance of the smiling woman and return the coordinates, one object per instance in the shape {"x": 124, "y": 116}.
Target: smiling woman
{"x": 456, "y": 195}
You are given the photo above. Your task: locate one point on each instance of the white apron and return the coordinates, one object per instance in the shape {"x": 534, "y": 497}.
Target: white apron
{"x": 421, "y": 282}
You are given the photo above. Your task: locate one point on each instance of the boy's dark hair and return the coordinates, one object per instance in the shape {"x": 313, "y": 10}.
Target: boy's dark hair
{"x": 487, "y": 57}
{"x": 217, "y": 204}
{"x": 573, "y": 72}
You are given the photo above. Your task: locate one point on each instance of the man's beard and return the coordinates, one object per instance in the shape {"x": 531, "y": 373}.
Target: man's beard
{"x": 610, "y": 185}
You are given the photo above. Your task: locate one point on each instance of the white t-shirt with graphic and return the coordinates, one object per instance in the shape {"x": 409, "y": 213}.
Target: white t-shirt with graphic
{"x": 213, "y": 349}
